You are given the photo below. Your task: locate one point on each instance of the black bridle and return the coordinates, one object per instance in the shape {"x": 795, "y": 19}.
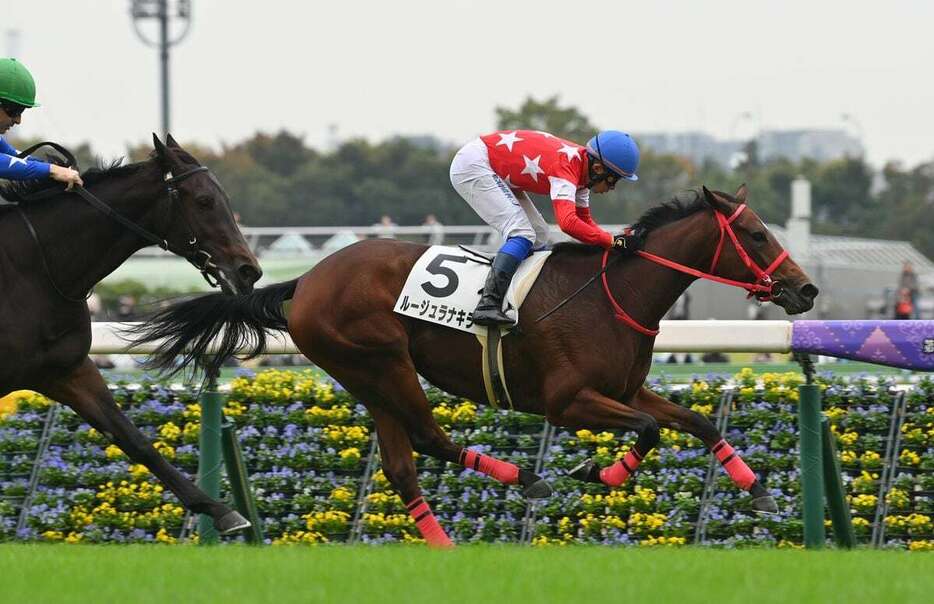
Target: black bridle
{"x": 196, "y": 255}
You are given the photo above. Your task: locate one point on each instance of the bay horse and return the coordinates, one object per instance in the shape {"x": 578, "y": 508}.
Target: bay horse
{"x": 55, "y": 246}
{"x": 580, "y": 367}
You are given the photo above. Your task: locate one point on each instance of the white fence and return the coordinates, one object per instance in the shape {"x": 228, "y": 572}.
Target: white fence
{"x": 675, "y": 336}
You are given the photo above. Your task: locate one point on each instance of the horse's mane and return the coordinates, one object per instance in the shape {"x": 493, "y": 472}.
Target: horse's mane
{"x": 680, "y": 206}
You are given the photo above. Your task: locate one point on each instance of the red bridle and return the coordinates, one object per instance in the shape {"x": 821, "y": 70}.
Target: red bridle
{"x": 762, "y": 287}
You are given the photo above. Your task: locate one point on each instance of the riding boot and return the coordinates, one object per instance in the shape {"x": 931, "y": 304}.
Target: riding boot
{"x": 490, "y": 309}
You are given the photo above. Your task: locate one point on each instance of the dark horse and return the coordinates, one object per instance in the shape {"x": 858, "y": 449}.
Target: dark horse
{"x": 54, "y": 247}
{"x": 580, "y": 367}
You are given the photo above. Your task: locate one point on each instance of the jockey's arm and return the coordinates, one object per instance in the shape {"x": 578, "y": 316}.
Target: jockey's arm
{"x": 14, "y": 168}
{"x": 583, "y": 212}
{"x": 570, "y": 221}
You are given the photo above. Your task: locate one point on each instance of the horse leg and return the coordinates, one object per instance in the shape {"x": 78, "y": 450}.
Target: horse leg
{"x": 676, "y": 417}
{"x": 85, "y": 391}
{"x": 399, "y": 389}
{"x": 395, "y": 450}
{"x": 412, "y": 408}
{"x": 590, "y": 409}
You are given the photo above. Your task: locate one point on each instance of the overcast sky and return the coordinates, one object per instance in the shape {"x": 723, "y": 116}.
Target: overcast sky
{"x": 440, "y": 67}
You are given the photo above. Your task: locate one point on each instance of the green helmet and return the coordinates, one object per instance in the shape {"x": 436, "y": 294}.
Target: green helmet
{"x": 16, "y": 84}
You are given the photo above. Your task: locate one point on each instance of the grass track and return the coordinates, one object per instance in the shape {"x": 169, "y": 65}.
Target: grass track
{"x": 484, "y": 574}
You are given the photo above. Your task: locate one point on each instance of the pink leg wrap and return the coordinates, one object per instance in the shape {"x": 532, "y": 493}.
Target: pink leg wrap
{"x": 427, "y": 524}
{"x": 502, "y": 471}
{"x": 619, "y": 472}
{"x": 734, "y": 465}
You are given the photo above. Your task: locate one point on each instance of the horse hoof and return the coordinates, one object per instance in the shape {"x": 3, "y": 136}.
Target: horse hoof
{"x": 765, "y": 505}
{"x": 537, "y": 490}
{"x": 231, "y": 522}
{"x": 586, "y": 470}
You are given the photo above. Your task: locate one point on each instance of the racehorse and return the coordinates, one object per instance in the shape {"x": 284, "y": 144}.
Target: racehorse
{"x": 54, "y": 248}
{"x": 580, "y": 366}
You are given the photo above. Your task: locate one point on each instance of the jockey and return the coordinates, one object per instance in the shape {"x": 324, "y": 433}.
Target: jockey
{"x": 494, "y": 174}
{"x": 18, "y": 93}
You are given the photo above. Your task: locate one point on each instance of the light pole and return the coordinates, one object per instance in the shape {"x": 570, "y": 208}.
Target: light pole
{"x": 164, "y": 14}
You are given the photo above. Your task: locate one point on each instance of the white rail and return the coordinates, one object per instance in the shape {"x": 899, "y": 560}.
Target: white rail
{"x": 675, "y": 336}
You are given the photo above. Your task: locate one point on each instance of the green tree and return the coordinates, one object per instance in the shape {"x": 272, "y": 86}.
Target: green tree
{"x": 565, "y": 122}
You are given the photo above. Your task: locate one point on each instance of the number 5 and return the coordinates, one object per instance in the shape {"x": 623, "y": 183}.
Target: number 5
{"x": 434, "y": 267}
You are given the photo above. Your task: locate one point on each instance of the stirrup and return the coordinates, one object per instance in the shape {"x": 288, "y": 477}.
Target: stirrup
{"x": 488, "y": 317}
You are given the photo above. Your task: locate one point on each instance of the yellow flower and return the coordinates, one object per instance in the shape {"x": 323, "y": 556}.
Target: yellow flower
{"x": 164, "y": 449}
{"x": 667, "y": 541}
{"x": 138, "y": 471}
{"x": 870, "y": 459}
{"x": 909, "y": 458}
{"x": 346, "y": 436}
{"x": 350, "y": 454}
{"x": 234, "y": 409}
{"x": 897, "y": 499}
{"x": 170, "y": 432}
{"x": 848, "y": 439}
{"x": 464, "y": 413}
{"x": 320, "y": 416}
{"x": 342, "y": 494}
{"x": 864, "y": 502}
{"x": 52, "y": 535}
{"x": 300, "y": 538}
{"x": 113, "y": 452}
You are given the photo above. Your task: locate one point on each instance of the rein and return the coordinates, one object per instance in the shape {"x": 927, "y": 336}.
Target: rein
{"x": 197, "y": 256}
{"x": 762, "y": 288}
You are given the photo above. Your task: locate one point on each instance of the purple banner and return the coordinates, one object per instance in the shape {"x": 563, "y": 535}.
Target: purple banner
{"x": 905, "y": 344}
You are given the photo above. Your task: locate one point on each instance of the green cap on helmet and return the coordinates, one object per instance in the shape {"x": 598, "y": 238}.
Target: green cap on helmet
{"x": 16, "y": 83}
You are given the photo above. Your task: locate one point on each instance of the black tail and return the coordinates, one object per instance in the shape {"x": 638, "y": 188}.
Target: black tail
{"x": 188, "y": 329}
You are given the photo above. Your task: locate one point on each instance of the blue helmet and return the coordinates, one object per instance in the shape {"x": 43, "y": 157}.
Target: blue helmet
{"x": 617, "y": 151}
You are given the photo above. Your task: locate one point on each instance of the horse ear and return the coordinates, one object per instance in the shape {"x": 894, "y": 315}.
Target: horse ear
{"x": 741, "y": 193}
{"x": 716, "y": 202}
{"x": 162, "y": 153}
{"x": 170, "y": 141}
{"x": 160, "y": 148}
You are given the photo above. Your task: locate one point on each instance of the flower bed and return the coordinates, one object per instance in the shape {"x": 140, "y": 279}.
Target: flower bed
{"x": 306, "y": 443}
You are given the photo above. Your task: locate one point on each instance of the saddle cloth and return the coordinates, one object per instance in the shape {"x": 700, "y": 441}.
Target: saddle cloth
{"x": 444, "y": 287}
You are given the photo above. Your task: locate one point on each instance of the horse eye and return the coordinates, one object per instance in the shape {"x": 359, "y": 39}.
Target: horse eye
{"x": 759, "y": 236}
{"x": 205, "y": 201}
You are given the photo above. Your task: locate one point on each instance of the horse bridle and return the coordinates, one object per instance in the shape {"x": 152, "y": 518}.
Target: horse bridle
{"x": 763, "y": 288}
{"x": 196, "y": 255}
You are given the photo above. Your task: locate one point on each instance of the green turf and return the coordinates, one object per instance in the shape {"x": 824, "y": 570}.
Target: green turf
{"x": 485, "y": 574}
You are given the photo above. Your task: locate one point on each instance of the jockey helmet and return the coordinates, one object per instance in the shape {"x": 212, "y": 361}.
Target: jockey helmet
{"x": 617, "y": 151}
{"x": 16, "y": 84}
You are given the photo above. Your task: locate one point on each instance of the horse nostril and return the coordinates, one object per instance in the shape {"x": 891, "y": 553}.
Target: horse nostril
{"x": 809, "y": 291}
{"x": 249, "y": 273}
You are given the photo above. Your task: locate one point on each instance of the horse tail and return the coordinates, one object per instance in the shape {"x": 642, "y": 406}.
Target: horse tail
{"x": 187, "y": 330}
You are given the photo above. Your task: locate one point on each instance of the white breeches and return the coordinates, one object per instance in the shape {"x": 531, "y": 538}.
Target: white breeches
{"x": 490, "y": 197}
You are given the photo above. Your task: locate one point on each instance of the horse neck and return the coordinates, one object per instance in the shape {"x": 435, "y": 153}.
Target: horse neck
{"x": 647, "y": 290}
{"x": 82, "y": 245}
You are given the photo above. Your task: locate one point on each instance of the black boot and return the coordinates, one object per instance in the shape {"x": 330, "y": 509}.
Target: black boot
{"x": 490, "y": 309}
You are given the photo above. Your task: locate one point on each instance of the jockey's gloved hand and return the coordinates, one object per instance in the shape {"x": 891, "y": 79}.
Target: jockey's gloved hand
{"x": 627, "y": 243}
